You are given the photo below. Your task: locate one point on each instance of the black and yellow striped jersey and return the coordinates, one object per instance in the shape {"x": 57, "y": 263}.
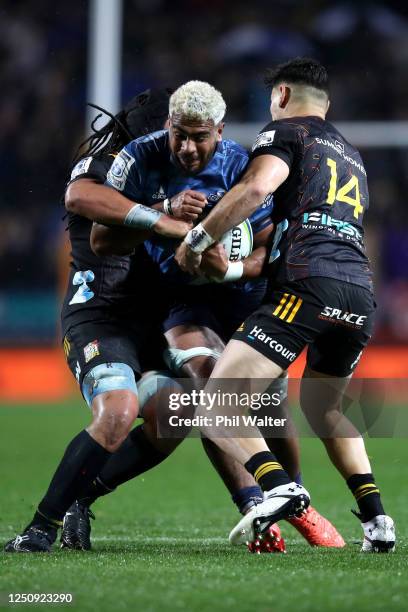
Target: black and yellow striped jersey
{"x": 324, "y": 198}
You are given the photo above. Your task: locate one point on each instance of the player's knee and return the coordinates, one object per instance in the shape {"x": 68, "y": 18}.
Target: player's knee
{"x": 166, "y": 417}
{"x": 110, "y": 391}
{"x": 199, "y": 367}
{"x": 278, "y": 388}
{"x": 197, "y": 362}
{"x": 115, "y": 435}
{"x": 119, "y": 407}
{"x": 114, "y": 413}
{"x": 157, "y": 390}
{"x": 278, "y": 394}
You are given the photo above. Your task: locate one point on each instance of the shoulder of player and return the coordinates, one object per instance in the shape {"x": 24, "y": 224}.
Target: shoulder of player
{"x": 292, "y": 123}
{"x": 330, "y": 134}
{"x": 92, "y": 166}
{"x": 229, "y": 147}
{"x": 233, "y": 158}
{"x": 332, "y": 128}
{"x": 140, "y": 153}
{"x": 299, "y": 125}
{"x": 150, "y": 143}
{"x": 234, "y": 155}
{"x": 281, "y": 128}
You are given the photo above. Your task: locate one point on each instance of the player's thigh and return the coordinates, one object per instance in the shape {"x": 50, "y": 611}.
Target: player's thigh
{"x": 192, "y": 350}
{"x": 239, "y": 360}
{"x": 188, "y": 335}
{"x": 103, "y": 357}
{"x": 271, "y": 338}
{"x": 192, "y": 333}
{"x": 241, "y": 370}
{"x": 190, "y": 320}
{"x": 215, "y": 307}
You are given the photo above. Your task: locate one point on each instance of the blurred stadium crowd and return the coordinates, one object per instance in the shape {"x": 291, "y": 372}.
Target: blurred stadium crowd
{"x": 43, "y": 52}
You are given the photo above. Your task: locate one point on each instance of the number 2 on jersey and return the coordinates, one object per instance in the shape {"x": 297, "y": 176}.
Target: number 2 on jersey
{"x": 84, "y": 293}
{"x": 343, "y": 194}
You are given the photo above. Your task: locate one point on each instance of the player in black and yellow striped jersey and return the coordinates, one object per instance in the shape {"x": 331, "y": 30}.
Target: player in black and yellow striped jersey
{"x": 321, "y": 290}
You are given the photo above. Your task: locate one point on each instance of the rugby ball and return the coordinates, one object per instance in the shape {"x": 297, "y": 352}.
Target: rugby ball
{"x": 238, "y": 241}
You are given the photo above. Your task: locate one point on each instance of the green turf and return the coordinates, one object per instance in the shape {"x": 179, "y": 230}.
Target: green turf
{"x": 160, "y": 543}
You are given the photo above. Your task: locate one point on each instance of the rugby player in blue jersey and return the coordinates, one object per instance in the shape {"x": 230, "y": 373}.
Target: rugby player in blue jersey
{"x": 193, "y": 158}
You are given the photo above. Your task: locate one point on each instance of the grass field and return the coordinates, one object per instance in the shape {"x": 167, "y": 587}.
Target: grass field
{"x": 160, "y": 543}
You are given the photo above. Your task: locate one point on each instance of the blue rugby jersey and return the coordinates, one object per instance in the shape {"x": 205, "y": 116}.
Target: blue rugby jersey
{"x": 145, "y": 171}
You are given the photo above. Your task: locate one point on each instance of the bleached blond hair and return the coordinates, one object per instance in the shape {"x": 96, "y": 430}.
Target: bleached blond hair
{"x": 198, "y": 100}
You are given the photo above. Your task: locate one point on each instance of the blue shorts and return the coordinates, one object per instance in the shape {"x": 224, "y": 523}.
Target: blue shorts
{"x": 221, "y": 307}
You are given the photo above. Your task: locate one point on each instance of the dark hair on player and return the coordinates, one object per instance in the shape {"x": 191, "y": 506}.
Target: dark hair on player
{"x": 302, "y": 71}
{"x": 145, "y": 113}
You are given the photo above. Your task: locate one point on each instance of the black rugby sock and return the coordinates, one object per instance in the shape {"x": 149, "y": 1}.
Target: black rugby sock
{"x": 267, "y": 472}
{"x": 367, "y": 495}
{"x": 135, "y": 456}
{"x": 247, "y": 497}
{"x": 83, "y": 459}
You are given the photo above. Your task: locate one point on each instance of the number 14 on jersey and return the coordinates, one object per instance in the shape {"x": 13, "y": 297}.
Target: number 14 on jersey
{"x": 344, "y": 193}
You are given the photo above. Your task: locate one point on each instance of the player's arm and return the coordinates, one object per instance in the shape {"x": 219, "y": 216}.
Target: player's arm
{"x": 116, "y": 202}
{"x": 263, "y": 176}
{"x": 117, "y": 240}
{"x": 106, "y": 206}
{"x": 93, "y": 200}
{"x": 254, "y": 264}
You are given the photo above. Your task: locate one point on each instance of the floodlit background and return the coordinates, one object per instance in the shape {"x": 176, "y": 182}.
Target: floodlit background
{"x": 44, "y": 66}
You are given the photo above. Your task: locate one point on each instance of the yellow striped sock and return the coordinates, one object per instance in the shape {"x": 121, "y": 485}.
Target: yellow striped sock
{"x": 367, "y": 493}
{"x": 265, "y": 468}
{"x": 361, "y": 490}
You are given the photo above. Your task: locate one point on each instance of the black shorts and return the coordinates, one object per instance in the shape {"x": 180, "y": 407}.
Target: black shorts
{"x": 333, "y": 318}
{"x": 87, "y": 345}
{"x": 217, "y": 306}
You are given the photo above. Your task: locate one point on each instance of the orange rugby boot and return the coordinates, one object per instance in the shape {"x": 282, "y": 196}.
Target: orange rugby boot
{"x": 317, "y": 530}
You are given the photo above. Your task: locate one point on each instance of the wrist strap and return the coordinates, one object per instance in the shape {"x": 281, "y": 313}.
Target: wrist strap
{"x": 198, "y": 239}
{"x": 234, "y": 272}
{"x": 167, "y": 207}
{"x": 142, "y": 217}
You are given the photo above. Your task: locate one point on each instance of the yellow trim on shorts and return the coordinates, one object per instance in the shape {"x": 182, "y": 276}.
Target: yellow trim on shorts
{"x": 281, "y": 304}
{"x": 290, "y": 304}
